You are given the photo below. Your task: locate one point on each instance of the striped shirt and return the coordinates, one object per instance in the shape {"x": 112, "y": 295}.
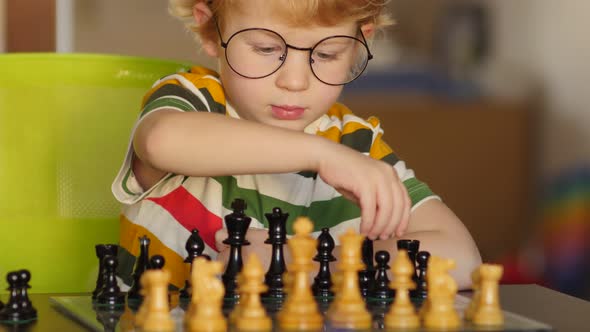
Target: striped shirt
{"x": 168, "y": 211}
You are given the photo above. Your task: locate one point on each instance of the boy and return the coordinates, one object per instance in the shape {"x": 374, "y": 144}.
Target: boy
{"x": 267, "y": 129}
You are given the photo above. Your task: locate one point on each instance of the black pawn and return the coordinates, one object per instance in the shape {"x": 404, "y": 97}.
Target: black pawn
{"x": 157, "y": 262}
{"x": 110, "y": 295}
{"x": 12, "y": 313}
{"x": 194, "y": 247}
{"x": 237, "y": 224}
{"x": 422, "y": 285}
{"x": 367, "y": 275}
{"x": 277, "y": 237}
{"x": 322, "y": 283}
{"x": 381, "y": 290}
{"x": 29, "y": 312}
{"x": 109, "y": 317}
{"x": 141, "y": 265}
{"x": 101, "y": 251}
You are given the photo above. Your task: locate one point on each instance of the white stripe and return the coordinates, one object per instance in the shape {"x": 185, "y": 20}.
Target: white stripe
{"x": 210, "y": 192}
{"x": 189, "y": 85}
{"x": 162, "y": 224}
{"x": 288, "y": 187}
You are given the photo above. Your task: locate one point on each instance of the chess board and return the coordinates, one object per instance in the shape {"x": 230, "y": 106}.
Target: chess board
{"x": 82, "y": 310}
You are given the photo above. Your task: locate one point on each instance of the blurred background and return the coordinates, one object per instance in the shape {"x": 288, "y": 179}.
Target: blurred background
{"x": 488, "y": 101}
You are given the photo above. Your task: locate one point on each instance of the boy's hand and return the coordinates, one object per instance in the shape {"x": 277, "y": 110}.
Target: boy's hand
{"x": 373, "y": 185}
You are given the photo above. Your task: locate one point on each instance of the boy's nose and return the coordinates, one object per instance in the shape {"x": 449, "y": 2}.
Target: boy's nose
{"x": 295, "y": 73}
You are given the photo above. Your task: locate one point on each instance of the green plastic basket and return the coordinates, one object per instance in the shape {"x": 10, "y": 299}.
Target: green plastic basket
{"x": 65, "y": 121}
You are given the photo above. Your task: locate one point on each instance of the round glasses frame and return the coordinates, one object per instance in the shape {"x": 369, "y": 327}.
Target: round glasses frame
{"x": 283, "y": 57}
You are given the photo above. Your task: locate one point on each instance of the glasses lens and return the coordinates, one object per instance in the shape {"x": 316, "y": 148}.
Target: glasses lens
{"x": 339, "y": 60}
{"x": 255, "y": 53}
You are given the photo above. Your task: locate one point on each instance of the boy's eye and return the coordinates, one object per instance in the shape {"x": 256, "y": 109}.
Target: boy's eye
{"x": 325, "y": 56}
{"x": 266, "y": 50}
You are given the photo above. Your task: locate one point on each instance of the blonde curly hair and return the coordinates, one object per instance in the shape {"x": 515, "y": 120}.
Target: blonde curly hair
{"x": 295, "y": 12}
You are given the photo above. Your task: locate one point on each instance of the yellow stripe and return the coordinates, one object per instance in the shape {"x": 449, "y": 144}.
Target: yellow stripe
{"x": 333, "y": 134}
{"x": 379, "y": 149}
{"x": 129, "y": 239}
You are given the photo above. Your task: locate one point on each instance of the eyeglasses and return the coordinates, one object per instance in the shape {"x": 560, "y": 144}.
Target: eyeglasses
{"x": 257, "y": 53}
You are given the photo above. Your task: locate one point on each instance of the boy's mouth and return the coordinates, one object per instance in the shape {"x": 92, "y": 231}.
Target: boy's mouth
{"x": 287, "y": 112}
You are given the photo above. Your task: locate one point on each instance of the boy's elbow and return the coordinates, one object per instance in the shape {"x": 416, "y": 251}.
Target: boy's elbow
{"x": 149, "y": 142}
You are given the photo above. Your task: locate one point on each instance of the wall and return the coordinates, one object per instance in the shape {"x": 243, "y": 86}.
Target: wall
{"x": 547, "y": 39}
{"x": 133, "y": 27}
{"x": 2, "y": 26}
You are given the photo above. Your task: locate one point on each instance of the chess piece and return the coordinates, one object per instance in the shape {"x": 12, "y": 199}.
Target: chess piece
{"x": 421, "y": 285}
{"x": 367, "y": 275}
{"x": 12, "y": 313}
{"x": 101, "y": 251}
{"x": 237, "y": 225}
{"x": 205, "y": 311}
{"x": 300, "y": 311}
{"x": 109, "y": 317}
{"x": 442, "y": 290}
{"x": 141, "y": 265}
{"x": 411, "y": 246}
{"x": 110, "y": 295}
{"x": 252, "y": 316}
{"x": 401, "y": 314}
{"x": 277, "y": 237}
{"x": 475, "y": 286}
{"x": 26, "y": 306}
{"x": 381, "y": 290}
{"x": 157, "y": 312}
{"x": 348, "y": 309}
{"x": 322, "y": 283}
{"x": 157, "y": 262}
{"x": 488, "y": 311}
{"x": 194, "y": 247}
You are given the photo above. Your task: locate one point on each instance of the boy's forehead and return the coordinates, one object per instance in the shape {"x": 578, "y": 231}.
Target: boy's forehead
{"x": 278, "y": 13}
{"x": 266, "y": 14}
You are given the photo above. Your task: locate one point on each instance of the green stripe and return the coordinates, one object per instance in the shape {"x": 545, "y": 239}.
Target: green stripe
{"x": 169, "y": 102}
{"x": 323, "y": 213}
{"x": 417, "y": 190}
{"x": 391, "y": 159}
{"x": 124, "y": 184}
{"x": 213, "y": 105}
{"x": 126, "y": 263}
{"x": 360, "y": 140}
{"x": 179, "y": 91}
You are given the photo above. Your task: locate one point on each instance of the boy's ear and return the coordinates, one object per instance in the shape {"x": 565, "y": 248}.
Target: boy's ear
{"x": 202, "y": 14}
{"x": 368, "y": 30}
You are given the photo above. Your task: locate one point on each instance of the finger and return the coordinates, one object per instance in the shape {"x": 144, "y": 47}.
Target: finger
{"x": 367, "y": 205}
{"x": 403, "y": 225}
{"x": 221, "y": 235}
{"x": 384, "y": 212}
{"x": 398, "y": 205}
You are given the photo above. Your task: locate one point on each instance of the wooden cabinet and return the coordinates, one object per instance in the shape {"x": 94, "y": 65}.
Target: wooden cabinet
{"x": 478, "y": 156}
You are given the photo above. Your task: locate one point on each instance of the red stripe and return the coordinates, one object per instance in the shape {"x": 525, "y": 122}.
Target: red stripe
{"x": 191, "y": 214}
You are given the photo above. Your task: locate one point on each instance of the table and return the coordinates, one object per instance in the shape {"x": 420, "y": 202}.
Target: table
{"x": 562, "y": 312}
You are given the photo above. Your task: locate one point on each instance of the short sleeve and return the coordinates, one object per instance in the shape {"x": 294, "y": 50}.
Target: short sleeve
{"x": 198, "y": 90}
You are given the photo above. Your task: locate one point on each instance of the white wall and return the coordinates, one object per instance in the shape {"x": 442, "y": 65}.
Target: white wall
{"x": 549, "y": 40}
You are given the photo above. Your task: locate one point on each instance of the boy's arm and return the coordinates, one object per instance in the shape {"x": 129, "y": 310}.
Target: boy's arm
{"x": 442, "y": 234}
{"x": 207, "y": 144}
